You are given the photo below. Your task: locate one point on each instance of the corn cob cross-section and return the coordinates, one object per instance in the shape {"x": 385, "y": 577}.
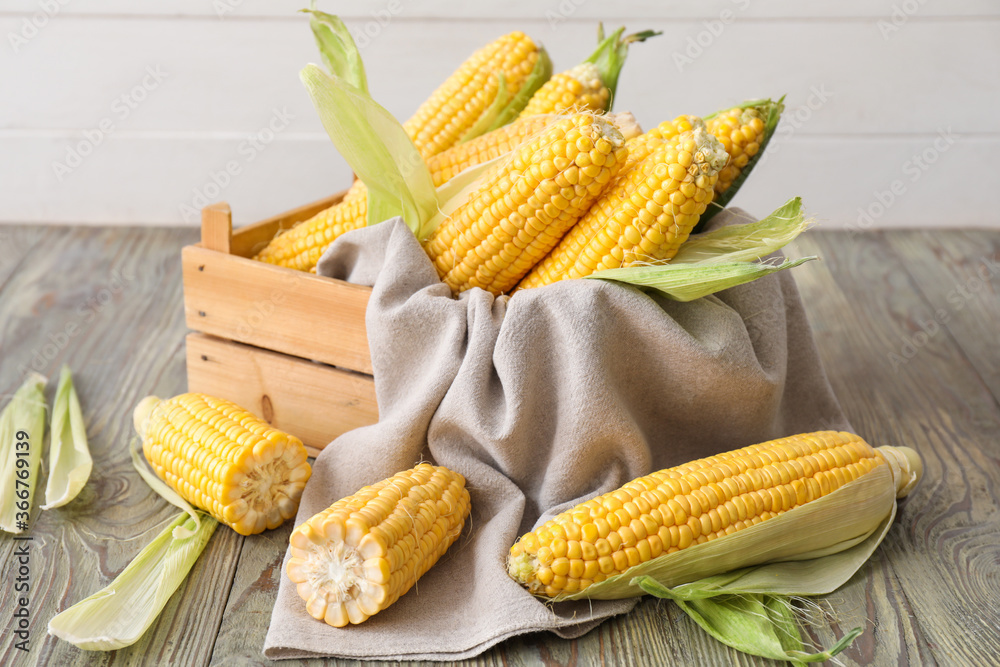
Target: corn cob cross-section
{"x": 526, "y": 204}
{"x": 645, "y": 216}
{"x": 223, "y": 459}
{"x": 705, "y": 500}
{"x": 360, "y": 555}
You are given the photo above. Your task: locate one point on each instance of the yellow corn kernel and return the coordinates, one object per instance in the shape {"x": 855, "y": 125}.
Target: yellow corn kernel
{"x": 741, "y": 132}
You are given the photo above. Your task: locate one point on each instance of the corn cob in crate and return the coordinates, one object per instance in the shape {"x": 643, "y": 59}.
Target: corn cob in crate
{"x": 451, "y": 111}
{"x": 223, "y": 459}
{"x": 591, "y": 84}
{"x": 301, "y": 247}
{"x": 745, "y": 507}
{"x": 360, "y": 555}
{"x": 526, "y": 204}
{"x": 645, "y": 216}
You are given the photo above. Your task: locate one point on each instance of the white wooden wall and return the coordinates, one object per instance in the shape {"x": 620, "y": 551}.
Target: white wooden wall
{"x": 131, "y": 113}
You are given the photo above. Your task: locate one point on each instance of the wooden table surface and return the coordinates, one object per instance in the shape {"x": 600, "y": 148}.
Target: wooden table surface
{"x": 908, "y": 326}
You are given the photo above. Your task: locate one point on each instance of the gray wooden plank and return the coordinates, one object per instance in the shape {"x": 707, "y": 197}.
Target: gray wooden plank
{"x": 928, "y": 584}
{"x": 959, "y": 275}
{"x": 861, "y": 300}
{"x": 108, "y": 303}
{"x": 16, "y": 244}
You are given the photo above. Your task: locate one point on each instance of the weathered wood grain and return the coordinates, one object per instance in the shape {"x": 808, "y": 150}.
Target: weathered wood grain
{"x": 959, "y": 275}
{"x": 934, "y": 578}
{"x": 108, "y": 303}
{"x": 314, "y": 402}
{"x": 928, "y": 595}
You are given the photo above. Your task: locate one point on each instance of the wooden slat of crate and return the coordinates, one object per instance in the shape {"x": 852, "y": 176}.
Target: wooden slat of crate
{"x": 294, "y": 312}
{"x": 312, "y": 401}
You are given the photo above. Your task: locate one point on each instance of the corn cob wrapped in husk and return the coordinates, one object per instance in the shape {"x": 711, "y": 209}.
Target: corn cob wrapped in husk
{"x": 792, "y": 498}
{"x": 591, "y": 85}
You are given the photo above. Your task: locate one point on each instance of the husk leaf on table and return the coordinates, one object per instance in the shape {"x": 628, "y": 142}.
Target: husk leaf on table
{"x": 21, "y": 422}
{"x": 70, "y": 462}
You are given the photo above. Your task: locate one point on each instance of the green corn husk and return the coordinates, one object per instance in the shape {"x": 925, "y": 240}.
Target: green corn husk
{"x": 337, "y": 48}
{"x": 118, "y": 615}
{"x": 746, "y": 242}
{"x": 739, "y": 587}
{"x": 719, "y": 259}
{"x": 70, "y": 462}
{"x": 773, "y": 111}
{"x": 610, "y": 55}
{"x": 499, "y": 115}
{"x": 849, "y": 516}
{"x": 23, "y": 416}
{"x": 377, "y": 148}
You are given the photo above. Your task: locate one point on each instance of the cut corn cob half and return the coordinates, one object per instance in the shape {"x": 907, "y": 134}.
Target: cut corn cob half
{"x": 360, "y": 555}
{"x": 526, "y": 204}
{"x": 458, "y": 103}
{"x": 645, "y": 216}
{"x": 591, "y": 84}
{"x": 301, "y": 246}
{"x": 704, "y": 505}
{"x": 223, "y": 459}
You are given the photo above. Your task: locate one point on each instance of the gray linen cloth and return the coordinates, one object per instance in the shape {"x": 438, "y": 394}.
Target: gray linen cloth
{"x": 541, "y": 400}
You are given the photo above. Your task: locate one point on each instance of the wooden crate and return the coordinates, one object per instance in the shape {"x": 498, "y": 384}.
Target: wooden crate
{"x": 287, "y": 345}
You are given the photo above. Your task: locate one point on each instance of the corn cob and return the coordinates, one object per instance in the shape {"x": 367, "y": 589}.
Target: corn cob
{"x": 709, "y": 499}
{"x": 526, "y": 204}
{"x": 457, "y": 104}
{"x": 645, "y": 217}
{"x": 301, "y": 246}
{"x": 360, "y": 555}
{"x": 223, "y": 459}
{"x": 591, "y": 84}
{"x": 741, "y": 131}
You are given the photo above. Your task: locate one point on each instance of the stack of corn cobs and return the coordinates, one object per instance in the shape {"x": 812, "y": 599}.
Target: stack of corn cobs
{"x": 570, "y": 189}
